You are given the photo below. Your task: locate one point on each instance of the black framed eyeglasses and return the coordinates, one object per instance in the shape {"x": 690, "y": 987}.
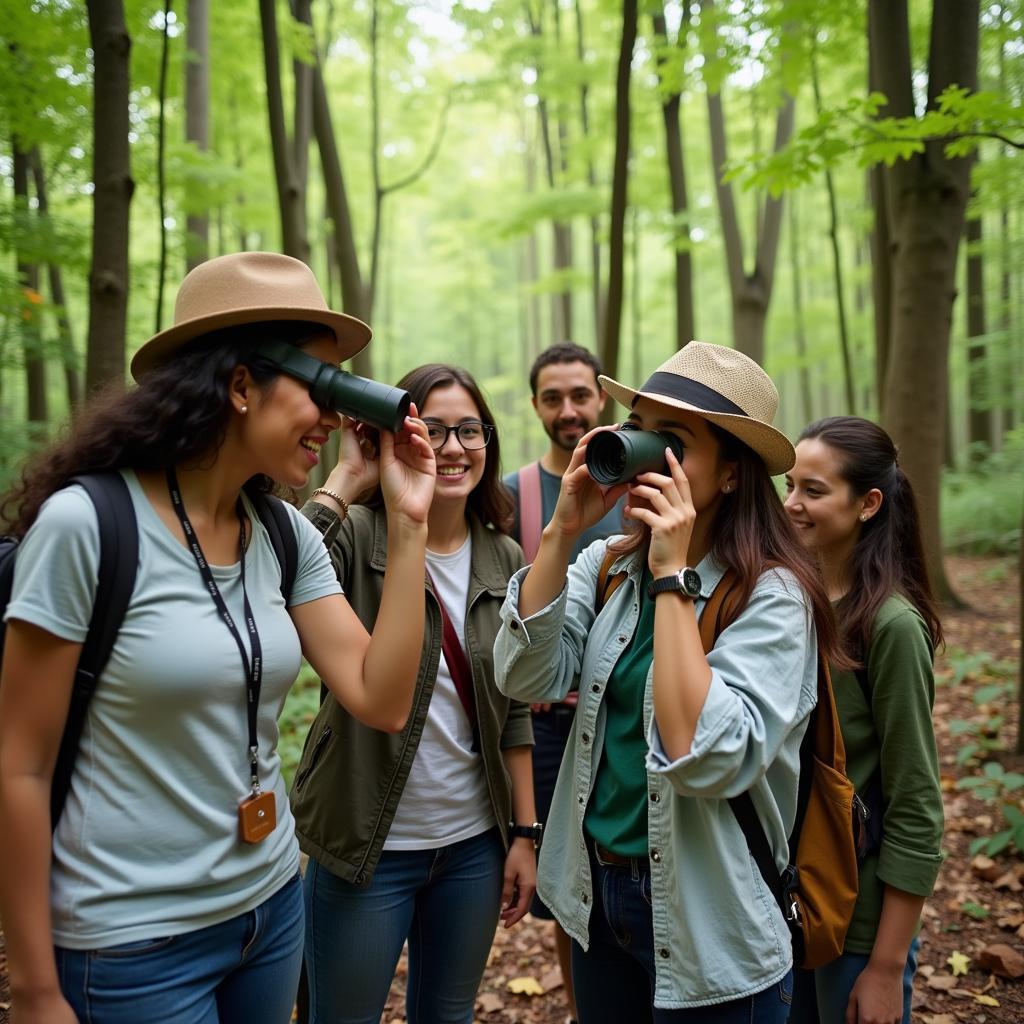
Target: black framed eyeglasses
{"x": 471, "y": 434}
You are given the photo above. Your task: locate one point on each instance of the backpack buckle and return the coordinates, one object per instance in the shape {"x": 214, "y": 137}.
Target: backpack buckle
{"x": 790, "y": 883}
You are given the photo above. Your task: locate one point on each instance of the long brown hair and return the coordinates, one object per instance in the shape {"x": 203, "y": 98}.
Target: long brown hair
{"x": 489, "y": 501}
{"x": 888, "y": 556}
{"x": 751, "y": 533}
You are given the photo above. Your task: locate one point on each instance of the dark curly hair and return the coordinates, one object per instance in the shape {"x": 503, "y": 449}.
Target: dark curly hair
{"x": 178, "y": 413}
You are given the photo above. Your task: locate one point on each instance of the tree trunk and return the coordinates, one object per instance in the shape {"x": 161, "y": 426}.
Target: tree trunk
{"x": 929, "y": 197}
{"x": 617, "y": 223}
{"x": 799, "y": 327}
{"x": 161, "y": 185}
{"x": 31, "y": 317}
{"x": 112, "y": 195}
{"x": 750, "y": 293}
{"x": 1020, "y": 632}
{"x": 979, "y": 416}
{"x": 69, "y": 357}
{"x": 291, "y": 196}
{"x": 685, "y": 327}
{"x": 197, "y": 120}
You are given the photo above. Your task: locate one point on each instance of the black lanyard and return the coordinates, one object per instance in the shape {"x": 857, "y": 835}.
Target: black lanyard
{"x": 253, "y": 669}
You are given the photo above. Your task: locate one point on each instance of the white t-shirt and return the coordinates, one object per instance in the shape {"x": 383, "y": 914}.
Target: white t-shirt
{"x": 148, "y": 842}
{"x": 445, "y": 799}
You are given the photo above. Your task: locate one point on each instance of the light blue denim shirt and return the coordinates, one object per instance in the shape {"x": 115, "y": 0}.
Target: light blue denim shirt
{"x": 718, "y": 933}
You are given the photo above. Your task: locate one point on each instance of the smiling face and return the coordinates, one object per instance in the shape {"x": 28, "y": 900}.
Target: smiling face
{"x": 458, "y": 470}
{"x": 283, "y": 426}
{"x": 708, "y": 474}
{"x": 568, "y": 402}
{"x": 821, "y": 504}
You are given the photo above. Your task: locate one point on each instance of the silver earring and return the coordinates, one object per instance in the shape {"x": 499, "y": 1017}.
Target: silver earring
{"x": 244, "y": 408}
{"x": 727, "y": 489}
{"x": 863, "y": 517}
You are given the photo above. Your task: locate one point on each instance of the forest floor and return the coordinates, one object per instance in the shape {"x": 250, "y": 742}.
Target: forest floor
{"x": 972, "y": 940}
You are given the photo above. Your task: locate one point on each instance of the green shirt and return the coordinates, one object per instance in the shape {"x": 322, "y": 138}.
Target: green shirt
{"x": 895, "y": 733}
{"x": 617, "y": 815}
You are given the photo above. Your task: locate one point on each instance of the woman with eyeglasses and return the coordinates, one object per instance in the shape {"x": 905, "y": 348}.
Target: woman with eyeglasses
{"x": 428, "y": 835}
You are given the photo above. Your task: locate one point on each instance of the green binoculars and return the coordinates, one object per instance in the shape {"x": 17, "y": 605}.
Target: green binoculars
{"x": 380, "y": 405}
{"x": 615, "y": 456}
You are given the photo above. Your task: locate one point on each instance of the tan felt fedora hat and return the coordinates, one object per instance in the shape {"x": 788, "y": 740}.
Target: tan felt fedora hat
{"x": 724, "y": 386}
{"x": 247, "y": 288}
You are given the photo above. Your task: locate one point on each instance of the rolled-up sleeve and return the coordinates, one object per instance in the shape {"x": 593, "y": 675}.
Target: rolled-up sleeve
{"x": 539, "y": 658}
{"x": 763, "y": 687}
{"x": 518, "y": 731}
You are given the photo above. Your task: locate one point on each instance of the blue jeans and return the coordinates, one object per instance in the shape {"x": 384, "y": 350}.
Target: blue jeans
{"x": 614, "y": 978}
{"x": 444, "y": 901}
{"x": 241, "y": 971}
{"x": 821, "y": 996}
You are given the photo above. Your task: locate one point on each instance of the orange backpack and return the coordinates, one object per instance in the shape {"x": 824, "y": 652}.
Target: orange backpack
{"x": 817, "y": 890}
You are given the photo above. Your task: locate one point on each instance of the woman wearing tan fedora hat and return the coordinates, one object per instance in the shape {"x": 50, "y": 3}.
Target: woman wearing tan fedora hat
{"x": 644, "y": 863}
{"x": 169, "y": 890}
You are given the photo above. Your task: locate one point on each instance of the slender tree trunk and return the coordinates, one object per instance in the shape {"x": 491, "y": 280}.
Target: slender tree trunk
{"x": 596, "y": 288}
{"x": 291, "y": 195}
{"x": 837, "y": 262}
{"x": 750, "y": 293}
{"x": 929, "y": 197}
{"x": 69, "y": 357}
{"x": 799, "y": 327}
{"x": 670, "y": 101}
{"x": 37, "y": 411}
{"x": 979, "y": 416}
{"x": 1020, "y": 632}
{"x": 161, "y": 185}
{"x": 617, "y": 220}
{"x": 112, "y": 195}
{"x": 197, "y": 120}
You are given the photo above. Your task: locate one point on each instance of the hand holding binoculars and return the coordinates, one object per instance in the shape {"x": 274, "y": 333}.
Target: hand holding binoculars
{"x": 617, "y": 456}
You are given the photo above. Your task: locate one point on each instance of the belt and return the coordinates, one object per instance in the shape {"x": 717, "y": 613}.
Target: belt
{"x": 608, "y": 859}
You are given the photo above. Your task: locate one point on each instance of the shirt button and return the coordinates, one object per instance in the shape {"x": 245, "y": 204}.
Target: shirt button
{"x": 656, "y": 856}
{"x": 586, "y": 898}
{"x": 655, "y": 797}
{"x": 663, "y": 953}
{"x": 621, "y": 639}
{"x": 580, "y": 798}
{"x": 513, "y": 625}
{"x": 596, "y": 688}
{"x": 585, "y": 737}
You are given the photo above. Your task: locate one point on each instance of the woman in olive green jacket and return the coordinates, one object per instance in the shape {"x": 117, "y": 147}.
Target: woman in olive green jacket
{"x": 409, "y": 834}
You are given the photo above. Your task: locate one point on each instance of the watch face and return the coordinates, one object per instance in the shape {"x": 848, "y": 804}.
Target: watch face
{"x": 690, "y": 579}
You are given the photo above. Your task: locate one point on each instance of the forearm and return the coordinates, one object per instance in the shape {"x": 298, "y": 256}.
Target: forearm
{"x": 546, "y": 578}
{"x": 25, "y": 859}
{"x": 396, "y": 643}
{"x": 682, "y": 676}
{"x": 897, "y": 925}
{"x": 519, "y": 765}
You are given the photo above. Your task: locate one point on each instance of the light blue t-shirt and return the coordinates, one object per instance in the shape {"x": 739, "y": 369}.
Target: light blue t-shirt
{"x": 148, "y": 842}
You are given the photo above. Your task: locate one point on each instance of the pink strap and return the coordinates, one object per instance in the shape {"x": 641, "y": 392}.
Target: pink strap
{"x": 530, "y": 525}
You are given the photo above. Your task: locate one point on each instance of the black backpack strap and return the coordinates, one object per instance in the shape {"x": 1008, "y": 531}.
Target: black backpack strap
{"x": 119, "y": 560}
{"x": 278, "y": 524}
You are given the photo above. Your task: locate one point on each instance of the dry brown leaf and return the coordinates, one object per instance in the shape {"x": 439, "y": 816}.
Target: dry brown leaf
{"x": 1008, "y": 880}
{"x": 489, "y": 1002}
{"x": 551, "y": 979}
{"x": 942, "y": 982}
{"x": 938, "y": 1018}
{"x": 1002, "y": 959}
{"x": 986, "y": 867}
{"x": 1010, "y": 921}
{"x": 986, "y": 1000}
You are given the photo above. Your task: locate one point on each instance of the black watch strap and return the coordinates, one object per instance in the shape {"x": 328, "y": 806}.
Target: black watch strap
{"x": 534, "y": 832}
{"x": 686, "y": 582}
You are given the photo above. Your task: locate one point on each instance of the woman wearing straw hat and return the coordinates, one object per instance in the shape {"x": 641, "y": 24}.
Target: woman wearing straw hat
{"x": 165, "y": 894}
{"x": 643, "y": 861}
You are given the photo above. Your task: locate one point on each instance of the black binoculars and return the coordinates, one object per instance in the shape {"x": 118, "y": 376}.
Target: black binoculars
{"x": 379, "y": 405}
{"x": 615, "y": 456}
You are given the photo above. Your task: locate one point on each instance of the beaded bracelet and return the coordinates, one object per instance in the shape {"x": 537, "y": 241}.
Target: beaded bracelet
{"x": 336, "y": 496}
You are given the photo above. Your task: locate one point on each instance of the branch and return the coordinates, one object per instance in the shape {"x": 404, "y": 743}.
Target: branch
{"x": 430, "y": 156}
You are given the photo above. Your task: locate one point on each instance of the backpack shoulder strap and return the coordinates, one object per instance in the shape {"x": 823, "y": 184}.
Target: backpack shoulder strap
{"x": 119, "y": 560}
{"x": 278, "y": 524}
{"x": 606, "y": 583}
{"x": 530, "y": 501}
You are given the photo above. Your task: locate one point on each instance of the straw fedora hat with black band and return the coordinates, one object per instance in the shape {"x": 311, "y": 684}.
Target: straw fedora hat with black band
{"x": 247, "y": 288}
{"x": 723, "y": 386}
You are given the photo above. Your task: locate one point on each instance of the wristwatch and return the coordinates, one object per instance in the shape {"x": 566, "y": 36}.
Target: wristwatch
{"x": 685, "y": 582}
{"x": 534, "y": 832}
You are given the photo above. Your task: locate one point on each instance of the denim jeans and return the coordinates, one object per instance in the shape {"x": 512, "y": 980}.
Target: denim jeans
{"x": 444, "y": 901}
{"x": 821, "y": 996}
{"x": 242, "y": 971}
{"x": 614, "y": 979}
